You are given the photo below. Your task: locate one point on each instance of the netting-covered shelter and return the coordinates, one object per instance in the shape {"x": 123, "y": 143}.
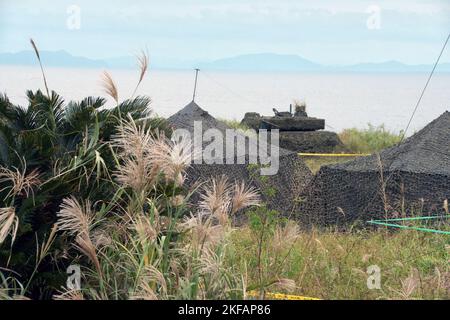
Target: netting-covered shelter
{"x": 293, "y": 174}
{"x": 412, "y": 178}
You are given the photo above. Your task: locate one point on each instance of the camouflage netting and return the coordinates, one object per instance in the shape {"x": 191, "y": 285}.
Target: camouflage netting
{"x": 287, "y": 184}
{"x": 414, "y": 180}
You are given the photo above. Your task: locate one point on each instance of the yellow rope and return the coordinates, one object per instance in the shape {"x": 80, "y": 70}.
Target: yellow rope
{"x": 279, "y": 296}
{"x": 334, "y": 154}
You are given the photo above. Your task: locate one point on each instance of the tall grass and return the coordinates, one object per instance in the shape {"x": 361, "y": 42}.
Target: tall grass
{"x": 329, "y": 264}
{"x": 147, "y": 243}
{"x": 370, "y": 140}
{"x": 358, "y": 141}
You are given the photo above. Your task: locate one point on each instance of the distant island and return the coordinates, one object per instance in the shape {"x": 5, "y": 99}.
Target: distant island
{"x": 51, "y": 58}
{"x": 263, "y": 62}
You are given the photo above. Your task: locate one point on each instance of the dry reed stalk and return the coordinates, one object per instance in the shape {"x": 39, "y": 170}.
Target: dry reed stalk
{"x": 9, "y": 224}
{"x": 69, "y": 295}
{"x": 36, "y": 51}
{"x": 74, "y": 218}
{"x": 146, "y": 231}
{"x": 288, "y": 285}
{"x": 285, "y": 235}
{"x": 20, "y": 181}
{"x": 145, "y": 290}
{"x": 84, "y": 245}
{"x": 146, "y": 154}
{"x": 244, "y": 197}
{"x": 171, "y": 157}
{"x": 109, "y": 86}
{"x": 216, "y": 195}
{"x": 135, "y": 144}
{"x": 383, "y": 187}
{"x": 77, "y": 220}
{"x": 410, "y": 284}
{"x": 203, "y": 233}
{"x": 143, "y": 67}
{"x": 46, "y": 246}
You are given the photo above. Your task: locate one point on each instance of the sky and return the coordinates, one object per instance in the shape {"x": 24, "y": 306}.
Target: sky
{"x": 332, "y": 32}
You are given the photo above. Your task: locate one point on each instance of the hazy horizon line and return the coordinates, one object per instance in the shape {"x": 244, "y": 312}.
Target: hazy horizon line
{"x": 286, "y": 62}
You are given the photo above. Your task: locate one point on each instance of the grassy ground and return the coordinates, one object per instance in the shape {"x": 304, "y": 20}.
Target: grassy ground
{"x": 333, "y": 265}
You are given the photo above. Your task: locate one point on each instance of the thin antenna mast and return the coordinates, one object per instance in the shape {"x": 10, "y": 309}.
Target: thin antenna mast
{"x": 195, "y": 86}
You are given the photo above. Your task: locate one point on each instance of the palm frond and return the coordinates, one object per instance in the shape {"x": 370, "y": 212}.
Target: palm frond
{"x": 80, "y": 115}
{"x": 137, "y": 108}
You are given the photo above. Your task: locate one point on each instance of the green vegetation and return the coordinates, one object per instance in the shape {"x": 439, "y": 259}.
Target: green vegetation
{"x": 237, "y": 125}
{"x": 103, "y": 188}
{"x": 50, "y": 151}
{"x": 333, "y": 264}
{"x": 370, "y": 140}
{"x": 126, "y": 223}
{"x": 365, "y": 141}
{"x": 277, "y": 256}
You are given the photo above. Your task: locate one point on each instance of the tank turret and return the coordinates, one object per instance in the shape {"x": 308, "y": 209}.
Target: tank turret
{"x": 284, "y": 121}
{"x": 298, "y": 131}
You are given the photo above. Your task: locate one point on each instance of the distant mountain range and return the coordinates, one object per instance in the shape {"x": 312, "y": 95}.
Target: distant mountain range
{"x": 264, "y": 62}
{"x": 250, "y": 62}
{"x": 50, "y": 58}
{"x": 294, "y": 63}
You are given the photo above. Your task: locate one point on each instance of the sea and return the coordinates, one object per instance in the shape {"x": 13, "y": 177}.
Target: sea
{"x": 344, "y": 100}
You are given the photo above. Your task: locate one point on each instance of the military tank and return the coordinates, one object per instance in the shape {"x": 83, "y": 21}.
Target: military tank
{"x": 298, "y": 131}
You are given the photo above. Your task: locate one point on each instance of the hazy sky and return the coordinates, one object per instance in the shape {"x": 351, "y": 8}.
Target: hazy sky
{"x": 326, "y": 31}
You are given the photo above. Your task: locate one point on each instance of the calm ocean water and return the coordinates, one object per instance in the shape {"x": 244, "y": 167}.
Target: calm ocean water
{"x": 344, "y": 100}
